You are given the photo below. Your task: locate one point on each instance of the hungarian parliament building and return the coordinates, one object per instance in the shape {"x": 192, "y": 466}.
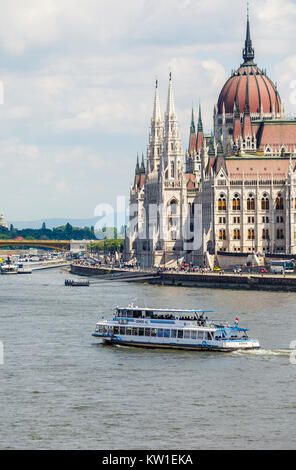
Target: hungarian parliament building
{"x": 231, "y": 192}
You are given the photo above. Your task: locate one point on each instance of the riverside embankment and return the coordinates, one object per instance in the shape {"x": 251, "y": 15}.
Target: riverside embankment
{"x": 245, "y": 281}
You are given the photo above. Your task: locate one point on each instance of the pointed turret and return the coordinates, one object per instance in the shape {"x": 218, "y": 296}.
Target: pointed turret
{"x": 192, "y": 136}
{"x": 172, "y": 146}
{"x": 199, "y": 125}
{"x": 156, "y": 116}
{"x": 248, "y": 51}
{"x": 170, "y": 110}
{"x": 137, "y": 171}
{"x": 142, "y": 168}
{"x": 154, "y": 150}
{"x": 200, "y": 134}
{"x": 211, "y": 152}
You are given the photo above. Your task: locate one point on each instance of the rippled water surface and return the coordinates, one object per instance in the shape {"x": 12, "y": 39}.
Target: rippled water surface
{"x": 60, "y": 390}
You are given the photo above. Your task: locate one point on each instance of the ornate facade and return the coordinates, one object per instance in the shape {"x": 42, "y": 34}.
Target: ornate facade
{"x": 235, "y": 191}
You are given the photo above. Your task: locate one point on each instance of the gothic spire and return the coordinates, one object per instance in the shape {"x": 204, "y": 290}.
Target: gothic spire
{"x": 199, "y": 125}
{"x": 156, "y": 108}
{"x": 142, "y": 168}
{"x": 137, "y": 165}
{"x": 248, "y": 51}
{"x": 170, "y": 103}
{"x": 192, "y": 136}
{"x": 192, "y": 126}
{"x": 211, "y": 152}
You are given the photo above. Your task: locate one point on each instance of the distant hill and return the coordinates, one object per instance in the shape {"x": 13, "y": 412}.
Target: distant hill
{"x": 51, "y": 223}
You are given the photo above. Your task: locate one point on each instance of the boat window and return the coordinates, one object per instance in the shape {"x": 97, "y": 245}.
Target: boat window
{"x": 153, "y": 331}
{"x": 128, "y": 330}
{"x": 193, "y": 334}
{"x": 122, "y": 330}
{"x": 160, "y": 333}
{"x": 149, "y": 314}
{"x": 180, "y": 333}
{"x": 129, "y": 313}
{"x": 141, "y": 331}
{"x": 135, "y": 331}
{"x": 123, "y": 313}
{"x": 116, "y": 330}
{"x": 200, "y": 334}
{"x": 110, "y": 330}
{"x": 147, "y": 332}
{"x": 186, "y": 334}
{"x": 173, "y": 333}
{"x": 209, "y": 335}
{"x": 166, "y": 333}
{"x": 101, "y": 328}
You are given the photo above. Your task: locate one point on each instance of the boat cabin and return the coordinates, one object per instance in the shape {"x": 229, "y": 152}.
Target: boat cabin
{"x": 162, "y": 314}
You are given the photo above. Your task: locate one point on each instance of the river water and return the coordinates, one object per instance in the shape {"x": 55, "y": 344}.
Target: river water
{"x": 61, "y": 390}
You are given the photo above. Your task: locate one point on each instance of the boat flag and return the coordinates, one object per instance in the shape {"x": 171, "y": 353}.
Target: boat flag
{"x": 237, "y": 321}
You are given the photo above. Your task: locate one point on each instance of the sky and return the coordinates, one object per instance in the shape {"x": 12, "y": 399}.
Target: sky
{"x": 78, "y": 83}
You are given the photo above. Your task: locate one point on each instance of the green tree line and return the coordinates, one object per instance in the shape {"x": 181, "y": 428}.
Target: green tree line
{"x": 64, "y": 232}
{"x": 107, "y": 245}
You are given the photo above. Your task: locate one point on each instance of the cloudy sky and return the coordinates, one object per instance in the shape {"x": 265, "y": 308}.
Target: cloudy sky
{"x": 78, "y": 79}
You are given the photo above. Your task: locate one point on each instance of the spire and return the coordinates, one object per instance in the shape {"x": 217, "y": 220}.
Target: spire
{"x": 142, "y": 169}
{"x": 248, "y": 51}
{"x": 211, "y": 152}
{"x": 137, "y": 166}
{"x": 156, "y": 108}
{"x": 192, "y": 136}
{"x": 192, "y": 126}
{"x": 199, "y": 125}
{"x": 200, "y": 136}
{"x": 170, "y": 104}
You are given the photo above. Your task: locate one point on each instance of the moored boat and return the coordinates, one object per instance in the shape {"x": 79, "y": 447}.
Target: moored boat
{"x": 9, "y": 268}
{"x": 173, "y": 329}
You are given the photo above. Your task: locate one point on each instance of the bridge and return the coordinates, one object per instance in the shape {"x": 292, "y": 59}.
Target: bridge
{"x": 49, "y": 244}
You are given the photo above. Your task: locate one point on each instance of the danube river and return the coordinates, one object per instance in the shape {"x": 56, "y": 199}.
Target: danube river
{"x": 60, "y": 390}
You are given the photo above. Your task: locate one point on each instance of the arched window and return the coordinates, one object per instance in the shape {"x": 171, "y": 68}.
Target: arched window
{"x": 265, "y": 202}
{"x": 251, "y": 234}
{"x": 222, "y": 234}
{"x": 279, "y": 202}
{"x": 236, "y": 203}
{"x": 265, "y": 234}
{"x": 251, "y": 203}
{"x": 222, "y": 203}
{"x": 173, "y": 206}
{"x": 280, "y": 234}
{"x": 236, "y": 234}
{"x": 172, "y": 170}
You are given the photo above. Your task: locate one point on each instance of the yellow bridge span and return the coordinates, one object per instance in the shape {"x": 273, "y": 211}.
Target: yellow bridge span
{"x": 53, "y": 244}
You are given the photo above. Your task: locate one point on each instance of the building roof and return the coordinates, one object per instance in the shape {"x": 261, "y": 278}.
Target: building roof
{"x": 249, "y": 88}
{"x": 276, "y": 132}
{"x": 251, "y": 168}
{"x": 190, "y": 181}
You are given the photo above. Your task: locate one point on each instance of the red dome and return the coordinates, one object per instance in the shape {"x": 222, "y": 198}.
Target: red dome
{"x": 249, "y": 85}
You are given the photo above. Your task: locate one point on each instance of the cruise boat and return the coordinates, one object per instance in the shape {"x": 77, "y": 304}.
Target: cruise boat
{"x": 9, "y": 268}
{"x": 173, "y": 329}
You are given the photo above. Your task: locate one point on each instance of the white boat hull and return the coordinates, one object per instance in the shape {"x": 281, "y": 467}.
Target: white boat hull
{"x": 205, "y": 346}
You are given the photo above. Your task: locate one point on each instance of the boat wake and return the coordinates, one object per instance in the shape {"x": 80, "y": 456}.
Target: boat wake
{"x": 264, "y": 352}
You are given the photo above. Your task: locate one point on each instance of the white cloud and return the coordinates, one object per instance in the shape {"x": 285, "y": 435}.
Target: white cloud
{"x": 78, "y": 84}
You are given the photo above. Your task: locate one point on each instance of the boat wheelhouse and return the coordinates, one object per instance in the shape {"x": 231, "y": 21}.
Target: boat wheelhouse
{"x": 172, "y": 328}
